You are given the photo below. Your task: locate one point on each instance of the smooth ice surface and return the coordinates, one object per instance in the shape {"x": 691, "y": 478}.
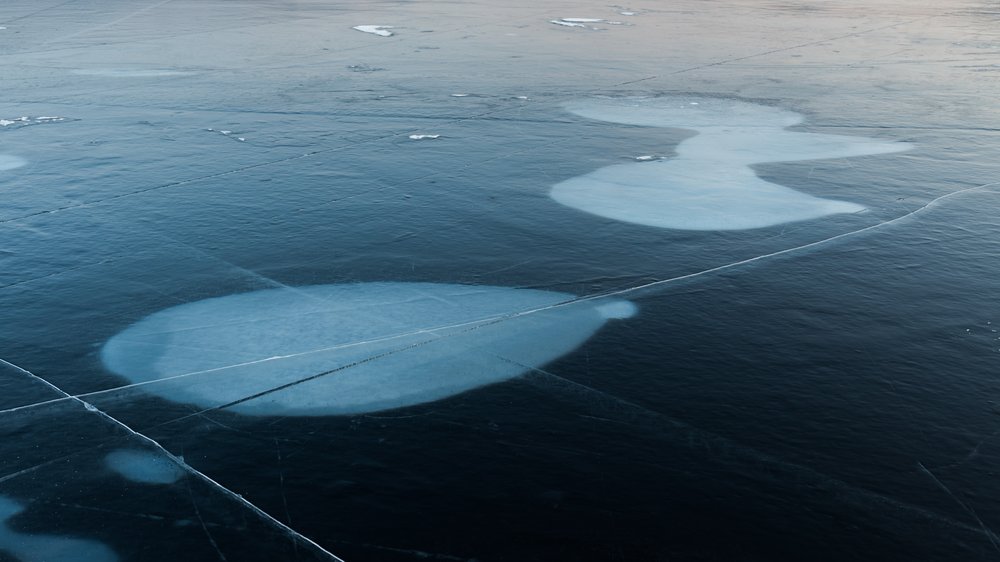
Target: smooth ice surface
{"x": 343, "y": 349}
{"x": 8, "y": 162}
{"x": 46, "y": 548}
{"x": 710, "y": 184}
{"x": 127, "y": 73}
{"x": 144, "y": 467}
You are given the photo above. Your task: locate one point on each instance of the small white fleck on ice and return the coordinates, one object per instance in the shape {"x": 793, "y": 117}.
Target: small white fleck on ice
{"x": 226, "y": 132}
{"x": 5, "y": 122}
{"x": 241, "y": 139}
{"x": 422, "y": 137}
{"x": 460, "y": 95}
{"x": 380, "y": 30}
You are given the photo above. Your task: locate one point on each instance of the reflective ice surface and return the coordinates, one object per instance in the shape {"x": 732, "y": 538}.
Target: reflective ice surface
{"x": 277, "y": 288}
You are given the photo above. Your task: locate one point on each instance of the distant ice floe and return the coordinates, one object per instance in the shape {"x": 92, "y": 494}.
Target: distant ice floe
{"x": 144, "y": 467}
{"x": 46, "y": 548}
{"x": 349, "y": 349}
{"x": 424, "y": 137}
{"x": 709, "y": 185}
{"x": 8, "y": 162}
{"x": 582, "y": 22}
{"x": 380, "y": 30}
{"x": 126, "y": 73}
{"x": 363, "y": 68}
{"x": 24, "y": 121}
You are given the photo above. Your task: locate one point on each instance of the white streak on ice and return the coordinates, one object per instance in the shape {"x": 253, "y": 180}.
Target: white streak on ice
{"x": 376, "y": 346}
{"x": 8, "y": 162}
{"x": 423, "y": 137}
{"x": 46, "y": 548}
{"x": 145, "y": 467}
{"x": 567, "y": 23}
{"x": 710, "y": 184}
{"x": 380, "y": 30}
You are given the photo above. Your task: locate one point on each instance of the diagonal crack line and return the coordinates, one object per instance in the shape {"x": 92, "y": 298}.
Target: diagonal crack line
{"x": 645, "y": 289}
{"x": 180, "y": 462}
{"x": 658, "y": 422}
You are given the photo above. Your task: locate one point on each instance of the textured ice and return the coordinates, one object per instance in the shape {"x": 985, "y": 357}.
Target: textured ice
{"x": 46, "y": 548}
{"x": 710, "y": 184}
{"x": 381, "y": 30}
{"x": 344, "y": 349}
{"x": 8, "y": 162}
{"x": 144, "y": 467}
{"x": 127, "y": 73}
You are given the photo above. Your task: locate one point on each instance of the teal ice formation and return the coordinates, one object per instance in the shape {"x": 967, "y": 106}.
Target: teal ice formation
{"x": 8, "y": 162}
{"x": 30, "y": 547}
{"x": 144, "y": 467}
{"x": 710, "y": 184}
{"x": 351, "y": 348}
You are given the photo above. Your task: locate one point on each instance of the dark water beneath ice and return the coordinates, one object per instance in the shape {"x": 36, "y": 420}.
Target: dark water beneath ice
{"x": 833, "y": 403}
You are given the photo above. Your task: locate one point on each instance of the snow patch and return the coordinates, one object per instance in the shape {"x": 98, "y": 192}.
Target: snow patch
{"x": 380, "y": 30}
{"x": 710, "y": 184}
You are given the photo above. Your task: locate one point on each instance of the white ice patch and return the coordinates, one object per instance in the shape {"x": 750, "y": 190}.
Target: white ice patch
{"x": 126, "y": 73}
{"x": 567, "y": 23}
{"x": 348, "y": 349}
{"x": 710, "y": 184}
{"x": 228, "y": 134}
{"x": 582, "y": 22}
{"x": 380, "y": 30}
{"x": 144, "y": 467}
{"x": 24, "y": 121}
{"x": 8, "y": 162}
{"x": 46, "y": 548}
{"x": 424, "y": 137}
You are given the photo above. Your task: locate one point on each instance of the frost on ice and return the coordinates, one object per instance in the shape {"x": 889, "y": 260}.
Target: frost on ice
{"x": 46, "y": 548}
{"x": 8, "y": 162}
{"x": 709, "y": 185}
{"x": 144, "y": 467}
{"x": 347, "y": 349}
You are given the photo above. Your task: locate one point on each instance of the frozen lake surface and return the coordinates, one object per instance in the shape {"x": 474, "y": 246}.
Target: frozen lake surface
{"x": 488, "y": 281}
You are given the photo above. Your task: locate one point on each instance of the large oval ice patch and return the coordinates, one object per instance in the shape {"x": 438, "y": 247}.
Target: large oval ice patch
{"x": 346, "y": 349}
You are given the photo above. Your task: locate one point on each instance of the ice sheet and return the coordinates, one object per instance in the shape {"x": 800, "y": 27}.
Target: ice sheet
{"x": 46, "y": 548}
{"x": 348, "y": 349}
{"x": 710, "y": 184}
